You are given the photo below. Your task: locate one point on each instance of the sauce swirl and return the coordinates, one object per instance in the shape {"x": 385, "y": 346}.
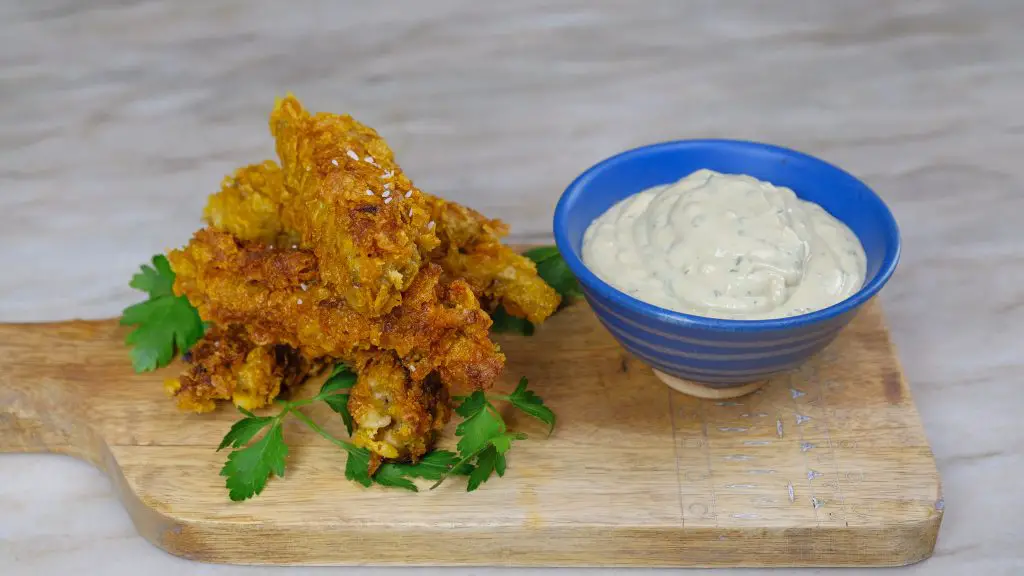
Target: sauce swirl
{"x": 725, "y": 246}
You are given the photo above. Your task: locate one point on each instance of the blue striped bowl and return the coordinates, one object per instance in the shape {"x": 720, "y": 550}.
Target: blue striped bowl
{"x": 715, "y": 352}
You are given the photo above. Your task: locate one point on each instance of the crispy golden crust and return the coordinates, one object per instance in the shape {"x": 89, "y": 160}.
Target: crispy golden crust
{"x": 352, "y": 206}
{"x": 249, "y": 203}
{"x": 276, "y": 295}
{"x": 471, "y": 249}
{"x": 397, "y": 417}
{"x": 334, "y": 255}
{"x": 440, "y": 326}
{"x": 366, "y": 243}
{"x": 226, "y": 365}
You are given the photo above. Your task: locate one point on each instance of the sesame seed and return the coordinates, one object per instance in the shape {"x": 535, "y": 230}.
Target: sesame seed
{"x": 431, "y": 225}
{"x": 387, "y": 201}
{"x": 299, "y": 300}
{"x": 304, "y": 286}
{"x": 334, "y": 161}
{"x": 353, "y": 155}
{"x": 368, "y": 159}
{"x": 408, "y": 194}
{"x": 294, "y": 246}
{"x": 369, "y": 192}
{"x": 386, "y": 193}
{"x": 410, "y": 212}
{"x": 412, "y": 368}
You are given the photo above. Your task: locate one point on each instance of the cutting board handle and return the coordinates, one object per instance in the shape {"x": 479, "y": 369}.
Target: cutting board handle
{"x": 30, "y": 417}
{"x": 41, "y": 390}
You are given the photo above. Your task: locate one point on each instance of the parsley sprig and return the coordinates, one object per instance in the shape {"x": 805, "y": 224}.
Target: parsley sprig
{"x": 249, "y": 466}
{"x": 164, "y": 323}
{"x": 484, "y": 439}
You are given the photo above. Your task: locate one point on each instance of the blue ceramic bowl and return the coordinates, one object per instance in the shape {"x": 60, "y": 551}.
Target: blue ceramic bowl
{"x": 715, "y": 352}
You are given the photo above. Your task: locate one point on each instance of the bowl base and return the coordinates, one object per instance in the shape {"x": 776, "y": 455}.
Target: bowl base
{"x": 698, "y": 390}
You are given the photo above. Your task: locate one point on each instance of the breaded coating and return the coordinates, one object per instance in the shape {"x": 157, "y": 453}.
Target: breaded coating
{"x": 352, "y": 206}
{"x": 249, "y": 204}
{"x": 397, "y": 417}
{"x": 276, "y": 295}
{"x": 322, "y": 193}
{"x": 440, "y": 326}
{"x": 251, "y": 284}
{"x": 225, "y": 365}
{"x": 333, "y": 255}
{"x": 471, "y": 249}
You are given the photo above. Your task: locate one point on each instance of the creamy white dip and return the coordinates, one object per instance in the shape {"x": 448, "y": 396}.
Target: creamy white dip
{"x": 725, "y": 246}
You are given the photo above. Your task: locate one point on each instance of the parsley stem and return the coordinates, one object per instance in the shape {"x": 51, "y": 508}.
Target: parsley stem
{"x": 350, "y": 448}
{"x": 297, "y": 403}
{"x": 290, "y": 404}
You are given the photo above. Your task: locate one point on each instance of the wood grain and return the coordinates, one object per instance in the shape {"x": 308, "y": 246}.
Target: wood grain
{"x": 827, "y": 466}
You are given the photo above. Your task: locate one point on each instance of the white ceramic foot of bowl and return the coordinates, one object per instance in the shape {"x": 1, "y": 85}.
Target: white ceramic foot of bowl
{"x": 698, "y": 390}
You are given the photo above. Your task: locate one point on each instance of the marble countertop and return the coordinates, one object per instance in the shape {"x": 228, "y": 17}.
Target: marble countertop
{"x": 120, "y": 116}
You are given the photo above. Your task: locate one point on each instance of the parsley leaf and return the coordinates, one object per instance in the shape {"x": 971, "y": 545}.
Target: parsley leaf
{"x": 244, "y": 430}
{"x": 357, "y": 466}
{"x": 155, "y": 280}
{"x": 247, "y": 469}
{"x": 491, "y": 458}
{"x": 503, "y": 322}
{"x": 393, "y": 475}
{"x": 503, "y": 443}
{"x": 432, "y": 466}
{"x": 528, "y": 402}
{"x": 165, "y": 323}
{"x": 542, "y": 253}
{"x": 471, "y": 404}
{"x": 499, "y": 464}
{"x": 341, "y": 378}
{"x": 551, "y": 267}
{"x": 484, "y": 467}
{"x": 482, "y": 422}
{"x": 483, "y": 440}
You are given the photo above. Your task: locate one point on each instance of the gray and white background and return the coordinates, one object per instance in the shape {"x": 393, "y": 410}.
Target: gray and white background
{"x": 118, "y": 117}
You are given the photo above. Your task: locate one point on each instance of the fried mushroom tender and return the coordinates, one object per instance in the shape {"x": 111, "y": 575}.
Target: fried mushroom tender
{"x": 225, "y": 365}
{"x": 440, "y": 326}
{"x": 397, "y": 417}
{"x": 249, "y": 204}
{"x": 352, "y": 205}
{"x": 333, "y": 197}
{"x": 231, "y": 282}
{"x": 276, "y": 294}
{"x": 471, "y": 249}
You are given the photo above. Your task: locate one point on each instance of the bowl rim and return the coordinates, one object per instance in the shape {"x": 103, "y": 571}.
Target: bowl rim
{"x": 593, "y": 282}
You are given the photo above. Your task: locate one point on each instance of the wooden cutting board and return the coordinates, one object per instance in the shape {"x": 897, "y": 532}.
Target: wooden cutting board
{"x": 827, "y": 466}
